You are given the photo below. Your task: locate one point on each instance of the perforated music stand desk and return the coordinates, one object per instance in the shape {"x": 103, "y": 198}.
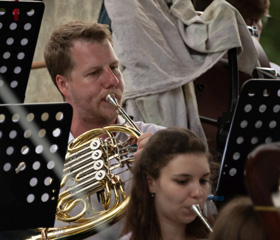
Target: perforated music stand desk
{"x": 256, "y": 121}
{"x": 18, "y": 38}
{"x": 33, "y": 143}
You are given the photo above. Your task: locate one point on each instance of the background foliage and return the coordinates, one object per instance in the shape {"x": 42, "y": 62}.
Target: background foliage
{"x": 270, "y": 38}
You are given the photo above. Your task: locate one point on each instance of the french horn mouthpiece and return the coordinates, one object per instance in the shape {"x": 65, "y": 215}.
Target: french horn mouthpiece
{"x": 111, "y": 99}
{"x": 196, "y": 209}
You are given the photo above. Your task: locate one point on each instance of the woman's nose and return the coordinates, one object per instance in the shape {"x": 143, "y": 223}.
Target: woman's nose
{"x": 196, "y": 190}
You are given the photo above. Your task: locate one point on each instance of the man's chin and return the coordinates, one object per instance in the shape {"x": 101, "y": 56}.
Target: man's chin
{"x": 111, "y": 117}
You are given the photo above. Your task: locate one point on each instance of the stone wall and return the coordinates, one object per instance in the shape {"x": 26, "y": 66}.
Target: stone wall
{"x": 40, "y": 87}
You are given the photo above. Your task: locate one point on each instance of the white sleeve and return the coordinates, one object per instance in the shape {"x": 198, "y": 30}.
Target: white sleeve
{"x": 148, "y": 127}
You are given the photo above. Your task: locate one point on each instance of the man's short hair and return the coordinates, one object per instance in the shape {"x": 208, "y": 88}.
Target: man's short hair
{"x": 57, "y": 51}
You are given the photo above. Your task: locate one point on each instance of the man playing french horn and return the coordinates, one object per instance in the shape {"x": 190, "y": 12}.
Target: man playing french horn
{"x": 82, "y": 64}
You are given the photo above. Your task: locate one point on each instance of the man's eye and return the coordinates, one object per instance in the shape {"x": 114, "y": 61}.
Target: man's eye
{"x": 94, "y": 73}
{"x": 114, "y": 67}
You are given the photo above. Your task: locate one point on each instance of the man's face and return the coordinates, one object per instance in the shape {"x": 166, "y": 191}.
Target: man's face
{"x": 95, "y": 74}
{"x": 257, "y": 24}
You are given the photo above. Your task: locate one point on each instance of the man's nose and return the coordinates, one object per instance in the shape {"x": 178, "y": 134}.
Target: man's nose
{"x": 110, "y": 79}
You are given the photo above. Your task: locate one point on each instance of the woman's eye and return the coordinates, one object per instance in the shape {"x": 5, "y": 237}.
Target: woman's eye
{"x": 204, "y": 181}
{"x": 181, "y": 182}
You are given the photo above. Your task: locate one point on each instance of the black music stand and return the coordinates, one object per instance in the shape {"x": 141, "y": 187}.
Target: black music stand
{"x": 256, "y": 121}
{"x": 19, "y": 28}
{"x": 33, "y": 143}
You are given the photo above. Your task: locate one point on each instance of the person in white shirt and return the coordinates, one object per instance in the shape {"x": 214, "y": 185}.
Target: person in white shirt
{"x": 85, "y": 69}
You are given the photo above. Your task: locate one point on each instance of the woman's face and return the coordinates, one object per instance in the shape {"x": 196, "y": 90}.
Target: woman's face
{"x": 182, "y": 183}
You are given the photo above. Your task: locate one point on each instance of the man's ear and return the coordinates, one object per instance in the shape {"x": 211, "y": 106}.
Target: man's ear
{"x": 151, "y": 183}
{"x": 62, "y": 85}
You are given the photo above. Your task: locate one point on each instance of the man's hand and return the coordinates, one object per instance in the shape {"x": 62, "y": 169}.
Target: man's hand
{"x": 142, "y": 140}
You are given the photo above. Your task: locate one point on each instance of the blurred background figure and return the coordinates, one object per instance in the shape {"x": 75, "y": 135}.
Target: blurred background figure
{"x": 256, "y": 15}
{"x": 254, "y": 12}
{"x": 238, "y": 221}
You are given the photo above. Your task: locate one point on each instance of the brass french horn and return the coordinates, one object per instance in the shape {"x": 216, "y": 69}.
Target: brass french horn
{"x": 94, "y": 165}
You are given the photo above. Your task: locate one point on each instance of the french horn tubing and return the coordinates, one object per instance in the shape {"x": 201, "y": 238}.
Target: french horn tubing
{"x": 196, "y": 209}
{"x": 94, "y": 164}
